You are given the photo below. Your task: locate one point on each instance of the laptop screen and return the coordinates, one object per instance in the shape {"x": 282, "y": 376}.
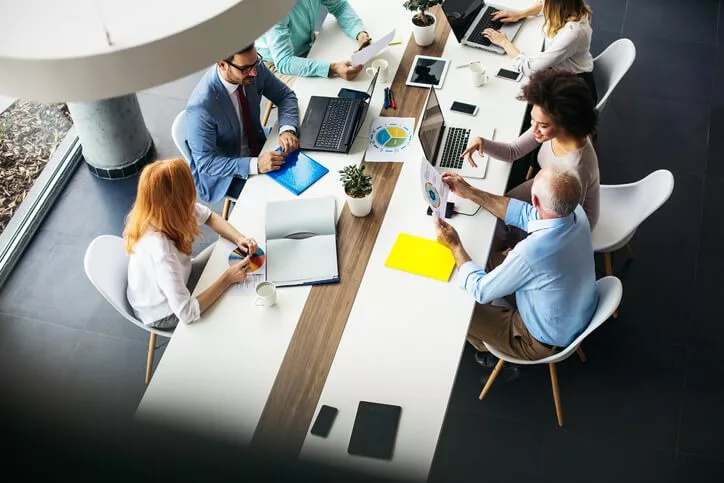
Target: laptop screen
{"x": 460, "y": 15}
{"x": 431, "y": 127}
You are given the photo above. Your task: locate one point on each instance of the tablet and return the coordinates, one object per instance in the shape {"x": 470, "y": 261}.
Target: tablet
{"x": 375, "y": 430}
{"x": 427, "y": 71}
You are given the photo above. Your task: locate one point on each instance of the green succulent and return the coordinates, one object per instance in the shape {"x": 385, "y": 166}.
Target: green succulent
{"x": 421, "y": 6}
{"x": 356, "y": 183}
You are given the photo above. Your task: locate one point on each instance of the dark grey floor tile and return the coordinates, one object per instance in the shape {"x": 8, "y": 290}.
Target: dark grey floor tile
{"x": 706, "y": 319}
{"x": 663, "y": 18}
{"x": 702, "y": 425}
{"x": 694, "y": 469}
{"x": 715, "y": 158}
{"x": 608, "y": 14}
{"x": 480, "y": 447}
{"x": 717, "y": 93}
{"x": 107, "y": 375}
{"x": 632, "y": 133}
{"x": 159, "y": 112}
{"x": 712, "y": 233}
{"x": 671, "y": 69}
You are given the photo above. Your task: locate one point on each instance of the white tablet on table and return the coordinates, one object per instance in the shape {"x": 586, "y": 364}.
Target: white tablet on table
{"x": 427, "y": 71}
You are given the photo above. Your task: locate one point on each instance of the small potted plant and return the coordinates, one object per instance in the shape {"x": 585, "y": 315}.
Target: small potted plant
{"x": 358, "y": 188}
{"x": 423, "y": 23}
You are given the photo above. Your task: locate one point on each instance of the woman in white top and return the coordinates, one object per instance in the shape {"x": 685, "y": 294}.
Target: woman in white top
{"x": 160, "y": 230}
{"x": 567, "y": 42}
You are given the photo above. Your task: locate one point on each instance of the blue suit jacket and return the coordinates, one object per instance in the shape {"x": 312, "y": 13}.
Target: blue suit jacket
{"x": 213, "y": 131}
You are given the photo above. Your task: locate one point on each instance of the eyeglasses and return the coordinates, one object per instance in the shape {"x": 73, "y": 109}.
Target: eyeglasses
{"x": 245, "y": 69}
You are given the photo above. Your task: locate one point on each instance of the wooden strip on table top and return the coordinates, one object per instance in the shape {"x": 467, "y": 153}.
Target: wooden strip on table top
{"x": 294, "y": 396}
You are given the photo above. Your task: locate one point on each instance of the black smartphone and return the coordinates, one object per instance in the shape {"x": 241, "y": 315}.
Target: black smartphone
{"x": 513, "y": 75}
{"x": 323, "y": 424}
{"x": 464, "y": 108}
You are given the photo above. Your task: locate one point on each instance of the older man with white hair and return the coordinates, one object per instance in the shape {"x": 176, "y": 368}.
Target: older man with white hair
{"x": 551, "y": 272}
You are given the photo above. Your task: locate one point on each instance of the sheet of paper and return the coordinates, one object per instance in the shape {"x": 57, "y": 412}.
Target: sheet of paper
{"x": 257, "y": 266}
{"x": 364, "y": 55}
{"x": 434, "y": 190}
{"x": 421, "y": 256}
{"x": 390, "y": 139}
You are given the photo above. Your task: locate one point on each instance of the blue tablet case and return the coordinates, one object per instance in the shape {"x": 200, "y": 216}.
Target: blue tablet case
{"x": 298, "y": 173}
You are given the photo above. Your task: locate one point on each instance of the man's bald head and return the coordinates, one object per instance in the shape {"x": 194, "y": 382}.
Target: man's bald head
{"x": 558, "y": 190}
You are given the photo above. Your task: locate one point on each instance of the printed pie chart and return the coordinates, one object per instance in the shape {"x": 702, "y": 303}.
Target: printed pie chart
{"x": 255, "y": 262}
{"x": 432, "y": 195}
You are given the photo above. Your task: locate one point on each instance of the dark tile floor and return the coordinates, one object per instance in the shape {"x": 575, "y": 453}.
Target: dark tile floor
{"x": 647, "y": 406}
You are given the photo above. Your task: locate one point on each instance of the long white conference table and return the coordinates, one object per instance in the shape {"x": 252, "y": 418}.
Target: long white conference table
{"x": 217, "y": 374}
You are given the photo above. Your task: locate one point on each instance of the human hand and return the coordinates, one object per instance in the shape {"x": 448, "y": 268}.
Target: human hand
{"x": 496, "y": 37}
{"x": 457, "y": 184}
{"x": 446, "y": 234}
{"x": 344, "y": 69}
{"x": 236, "y": 273}
{"x": 289, "y": 142}
{"x": 506, "y": 16}
{"x": 270, "y": 161}
{"x": 249, "y": 245}
{"x": 363, "y": 39}
{"x": 476, "y": 145}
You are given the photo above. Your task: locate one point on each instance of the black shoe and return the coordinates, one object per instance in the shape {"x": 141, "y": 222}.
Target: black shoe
{"x": 509, "y": 372}
{"x": 486, "y": 360}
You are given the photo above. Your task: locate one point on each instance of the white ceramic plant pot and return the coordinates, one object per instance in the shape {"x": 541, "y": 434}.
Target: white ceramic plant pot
{"x": 424, "y": 36}
{"x": 360, "y": 206}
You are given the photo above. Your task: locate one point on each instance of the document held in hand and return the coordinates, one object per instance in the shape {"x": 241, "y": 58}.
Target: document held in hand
{"x": 301, "y": 241}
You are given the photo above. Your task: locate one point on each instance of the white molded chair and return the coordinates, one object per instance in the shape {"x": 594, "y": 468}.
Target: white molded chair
{"x": 623, "y": 208}
{"x": 106, "y": 266}
{"x": 609, "y": 290}
{"x": 178, "y": 133}
{"x": 610, "y": 66}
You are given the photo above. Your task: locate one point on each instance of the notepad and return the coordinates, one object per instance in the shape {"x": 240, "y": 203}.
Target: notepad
{"x": 421, "y": 257}
{"x": 298, "y": 173}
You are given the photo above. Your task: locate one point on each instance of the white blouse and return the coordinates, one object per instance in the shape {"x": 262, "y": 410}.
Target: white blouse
{"x": 569, "y": 50}
{"x": 157, "y": 277}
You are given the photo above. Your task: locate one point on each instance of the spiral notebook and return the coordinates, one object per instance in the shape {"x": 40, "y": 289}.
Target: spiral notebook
{"x": 298, "y": 173}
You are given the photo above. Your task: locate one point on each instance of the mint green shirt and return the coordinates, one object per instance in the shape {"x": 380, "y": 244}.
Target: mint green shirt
{"x": 287, "y": 41}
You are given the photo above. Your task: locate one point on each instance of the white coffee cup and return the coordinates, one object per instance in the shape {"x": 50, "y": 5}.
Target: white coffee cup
{"x": 266, "y": 294}
{"x": 478, "y": 74}
{"x": 384, "y": 67}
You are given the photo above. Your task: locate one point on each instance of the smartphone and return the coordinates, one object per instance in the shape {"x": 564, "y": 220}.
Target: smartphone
{"x": 464, "y": 108}
{"x": 323, "y": 423}
{"x": 513, "y": 75}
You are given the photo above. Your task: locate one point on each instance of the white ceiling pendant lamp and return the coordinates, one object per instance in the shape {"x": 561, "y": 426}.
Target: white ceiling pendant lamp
{"x": 81, "y": 50}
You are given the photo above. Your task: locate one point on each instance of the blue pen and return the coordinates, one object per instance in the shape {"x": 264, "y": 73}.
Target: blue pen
{"x": 384, "y": 106}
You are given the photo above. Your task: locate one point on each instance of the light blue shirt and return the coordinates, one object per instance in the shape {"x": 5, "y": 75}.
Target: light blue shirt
{"x": 551, "y": 273}
{"x": 288, "y": 40}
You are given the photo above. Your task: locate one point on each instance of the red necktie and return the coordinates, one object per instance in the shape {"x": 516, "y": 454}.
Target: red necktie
{"x": 246, "y": 122}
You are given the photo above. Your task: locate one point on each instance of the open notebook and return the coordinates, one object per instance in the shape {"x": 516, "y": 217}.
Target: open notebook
{"x": 301, "y": 241}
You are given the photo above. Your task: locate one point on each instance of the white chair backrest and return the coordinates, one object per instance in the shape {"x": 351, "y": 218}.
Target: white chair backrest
{"x": 610, "y": 291}
{"x": 178, "y": 133}
{"x": 610, "y": 66}
{"x": 624, "y": 207}
{"x": 106, "y": 266}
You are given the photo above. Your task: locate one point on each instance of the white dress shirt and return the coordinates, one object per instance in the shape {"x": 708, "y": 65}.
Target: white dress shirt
{"x": 157, "y": 277}
{"x": 231, "y": 90}
{"x": 569, "y": 50}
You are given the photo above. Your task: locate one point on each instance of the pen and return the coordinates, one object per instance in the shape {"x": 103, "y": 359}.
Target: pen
{"x": 384, "y": 106}
{"x": 468, "y": 65}
{"x": 389, "y": 98}
{"x": 394, "y": 102}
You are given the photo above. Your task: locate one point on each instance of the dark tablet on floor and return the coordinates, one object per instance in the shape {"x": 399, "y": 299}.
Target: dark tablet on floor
{"x": 375, "y": 430}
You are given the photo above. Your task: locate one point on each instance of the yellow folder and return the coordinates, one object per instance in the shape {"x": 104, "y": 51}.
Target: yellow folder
{"x": 421, "y": 256}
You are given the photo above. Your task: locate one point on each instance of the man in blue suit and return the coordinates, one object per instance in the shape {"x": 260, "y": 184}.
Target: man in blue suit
{"x": 224, "y": 133}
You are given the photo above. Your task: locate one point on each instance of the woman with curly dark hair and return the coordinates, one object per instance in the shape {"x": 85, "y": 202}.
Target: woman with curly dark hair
{"x": 562, "y": 120}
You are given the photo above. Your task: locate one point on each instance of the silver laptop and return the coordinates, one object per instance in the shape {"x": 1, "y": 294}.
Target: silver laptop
{"x": 468, "y": 19}
{"x": 443, "y": 144}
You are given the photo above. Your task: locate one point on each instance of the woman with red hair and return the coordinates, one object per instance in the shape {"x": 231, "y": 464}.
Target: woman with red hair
{"x": 160, "y": 230}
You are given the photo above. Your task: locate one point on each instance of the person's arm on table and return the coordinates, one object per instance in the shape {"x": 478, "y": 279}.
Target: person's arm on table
{"x": 503, "y": 151}
{"x": 286, "y": 100}
{"x": 507, "y": 16}
{"x": 227, "y": 230}
{"x": 496, "y": 205}
{"x": 347, "y": 19}
{"x": 484, "y": 287}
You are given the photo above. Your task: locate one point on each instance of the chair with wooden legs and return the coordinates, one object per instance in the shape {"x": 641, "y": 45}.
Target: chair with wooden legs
{"x": 106, "y": 266}
{"x": 623, "y": 208}
{"x": 609, "y": 290}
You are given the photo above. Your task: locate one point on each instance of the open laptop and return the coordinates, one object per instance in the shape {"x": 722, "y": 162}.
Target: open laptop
{"x": 468, "y": 19}
{"x": 443, "y": 144}
{"x": 332, "y": 123}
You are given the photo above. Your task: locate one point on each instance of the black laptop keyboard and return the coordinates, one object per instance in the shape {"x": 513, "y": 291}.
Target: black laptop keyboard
{"x": 455, "y": 144}
{"x": 476, "y": 36}
{"x": 330, "y": 133}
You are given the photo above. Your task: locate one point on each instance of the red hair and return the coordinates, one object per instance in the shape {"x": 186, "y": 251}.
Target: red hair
{"x": 165, "y": 202}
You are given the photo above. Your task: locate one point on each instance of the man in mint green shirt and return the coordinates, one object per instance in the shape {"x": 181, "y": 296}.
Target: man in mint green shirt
{"x": 287, "y": 42}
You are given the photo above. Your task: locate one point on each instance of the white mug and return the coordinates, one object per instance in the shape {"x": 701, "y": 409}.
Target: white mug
{"x": 266, "y": 294}
{"x": 478, "y": 75}
{"x": 384, "y": 67}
